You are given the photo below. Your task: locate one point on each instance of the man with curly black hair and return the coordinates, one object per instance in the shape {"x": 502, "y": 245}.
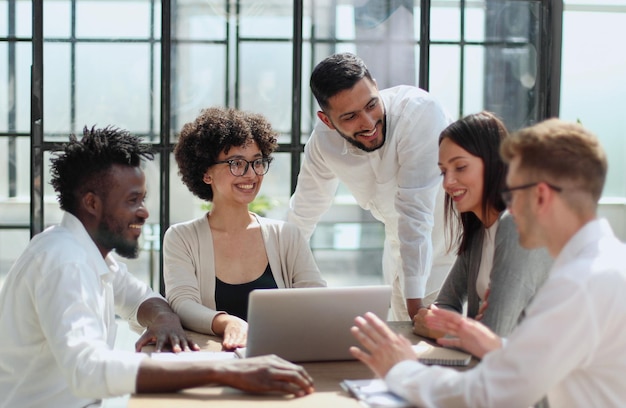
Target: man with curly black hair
{"x": 60, "y": 298}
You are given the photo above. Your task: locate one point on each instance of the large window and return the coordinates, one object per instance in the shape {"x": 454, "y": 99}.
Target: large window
{"x": 150, "y": 66}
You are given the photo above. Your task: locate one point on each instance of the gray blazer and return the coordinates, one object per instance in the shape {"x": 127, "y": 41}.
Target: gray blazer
{"x": 516, "y": 275}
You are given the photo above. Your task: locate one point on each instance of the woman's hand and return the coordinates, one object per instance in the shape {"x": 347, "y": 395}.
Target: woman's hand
{"x": 468, "y": 334}
{"x": 234, "y": 330}
{"x": 419, "y": 325}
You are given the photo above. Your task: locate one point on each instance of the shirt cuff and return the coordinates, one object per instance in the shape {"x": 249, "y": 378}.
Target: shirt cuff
{"x": 415, "y": 287}
{"x": 121, "y": 372}
{"x": 400, "y": 372}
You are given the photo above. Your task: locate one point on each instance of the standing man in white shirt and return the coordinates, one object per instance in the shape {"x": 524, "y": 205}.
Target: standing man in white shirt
{"x": 383, "y": 146}
{"x": 60, "y": 298}
{"x": 570, "y": 346}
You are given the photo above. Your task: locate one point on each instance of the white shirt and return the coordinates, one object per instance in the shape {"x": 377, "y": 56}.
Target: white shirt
{"x": 398, "y": 183}
{"x": 570, "y": 346}
{"x": 486, "y": 260}
{"x": 58, "y": 326}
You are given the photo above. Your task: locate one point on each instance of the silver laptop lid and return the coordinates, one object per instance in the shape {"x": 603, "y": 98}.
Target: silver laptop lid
{"x": 310, "y": 324}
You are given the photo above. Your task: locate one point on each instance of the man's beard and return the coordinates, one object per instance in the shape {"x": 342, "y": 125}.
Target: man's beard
{"x": 109, "y": 238}
{"x": 354, "y": 142}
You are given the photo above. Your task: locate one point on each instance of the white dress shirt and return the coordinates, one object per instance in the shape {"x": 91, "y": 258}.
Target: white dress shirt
{"x": 57, "y": 319}
{"x": 399, "y": 183}
{"x": 570, "y": 346}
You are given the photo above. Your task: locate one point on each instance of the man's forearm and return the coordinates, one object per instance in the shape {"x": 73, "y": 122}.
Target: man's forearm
{"x": 154, "y": 377}
{"x": 153, "y": 308}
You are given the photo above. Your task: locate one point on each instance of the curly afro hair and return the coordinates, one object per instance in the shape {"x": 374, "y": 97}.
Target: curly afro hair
{"x": 217, "y": 130}
{"x": 79, "y": 166}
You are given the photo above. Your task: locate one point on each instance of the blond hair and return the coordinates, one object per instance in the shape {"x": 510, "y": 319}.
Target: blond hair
{"x": 562, "y": 153}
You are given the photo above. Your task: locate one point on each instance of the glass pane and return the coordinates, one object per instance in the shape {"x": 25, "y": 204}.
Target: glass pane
{"x": 22, "y": 20}
{"x": 14, "y": 179}
{"x": 473, "y": 80}
{"x": 275, "y": 192}
{"x": 57, "y": 19}
{"x": 12, "y": 244}
{"x": 23, "y": 61}
{"x": 156, "y": 93}
{"x": 199, "y": 81}
{"x": 593, "y": 87}
{"x": 445, "y": 70}
{"x": 184, "y": 205}
{"x": 113, "y": 85}
{"x": 475, "y": 21}
{"x": 5, "y": 95}
{"x": 347, "y": 245}
{"x": 265, "y": 83}
{"x": 511, "y": 64}
{"x": 4, "y": 11}
{"x": 15, "y": 63}
{"x": 273, "y": 19}
{"x": 445, "y": 20}
{"x": 94, "y": 19}
{"x": 57, "y": 90}
{"x": 204, "y": 20}
{"x": 379, "y": 32}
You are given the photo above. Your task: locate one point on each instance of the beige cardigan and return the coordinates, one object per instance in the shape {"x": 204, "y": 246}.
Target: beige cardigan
{"x": 189, "y": 269}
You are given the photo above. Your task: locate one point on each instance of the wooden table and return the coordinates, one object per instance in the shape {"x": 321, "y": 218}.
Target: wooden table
{"x": 326, "y": 375}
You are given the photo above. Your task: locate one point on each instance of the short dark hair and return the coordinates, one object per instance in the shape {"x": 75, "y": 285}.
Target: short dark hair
{"x": 480, "y": 134}
{"x": 335, "y": 74}
{"x": 218, "y": 129}
{"x": 79, "y": 166}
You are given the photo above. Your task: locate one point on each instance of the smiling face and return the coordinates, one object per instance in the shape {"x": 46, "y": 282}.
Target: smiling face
{"x": 123, "y": 212}
{"x": 358, "y": 115}
{"x": 235, "y": 190}
{"x": 463, "y": 176}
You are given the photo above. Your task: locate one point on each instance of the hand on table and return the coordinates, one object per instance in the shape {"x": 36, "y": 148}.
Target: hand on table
{"x": 469, "y": 335}
{"x": 384, "y": 347}
{"x": 233, "y": 329}
{"x": 421, "y": 329}
{"x": 163, "y": 328}
{"x": 267, "y": 374}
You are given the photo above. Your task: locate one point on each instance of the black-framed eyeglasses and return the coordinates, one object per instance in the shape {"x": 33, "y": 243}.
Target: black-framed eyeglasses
{"x": 239, "y": 167}
{"x": 507, "y": 193}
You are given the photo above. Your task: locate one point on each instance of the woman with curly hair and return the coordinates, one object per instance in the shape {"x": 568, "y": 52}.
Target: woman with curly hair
{"x": 212, "y": 263}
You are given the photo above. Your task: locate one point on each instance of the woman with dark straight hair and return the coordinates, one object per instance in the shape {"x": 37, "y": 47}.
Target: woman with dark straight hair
{"x": 493, "y": 274}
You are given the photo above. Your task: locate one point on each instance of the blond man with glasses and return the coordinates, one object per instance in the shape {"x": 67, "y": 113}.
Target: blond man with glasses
{"x": 570, "y": 347}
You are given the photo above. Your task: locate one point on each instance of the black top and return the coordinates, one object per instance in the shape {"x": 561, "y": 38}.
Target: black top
{"x": 233, "y": 299}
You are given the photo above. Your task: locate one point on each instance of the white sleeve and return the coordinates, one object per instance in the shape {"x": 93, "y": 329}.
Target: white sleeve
{"x": 558, "y": 335}
{"x": 315, "y": 189}
{"x": 71, "y": 316}
{"x": 419, "y": 182}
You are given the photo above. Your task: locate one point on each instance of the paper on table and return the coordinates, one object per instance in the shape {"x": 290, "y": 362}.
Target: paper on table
{"x": 374, "y": 393}
{"x": 194, "y": 356}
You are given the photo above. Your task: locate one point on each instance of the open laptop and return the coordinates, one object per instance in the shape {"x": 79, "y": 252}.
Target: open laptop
{"x": 310, "y": 324}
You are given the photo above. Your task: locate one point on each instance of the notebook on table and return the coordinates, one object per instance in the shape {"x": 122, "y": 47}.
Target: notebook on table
{"x": 436, "y": 355}
{"x": 310, "y": 324}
